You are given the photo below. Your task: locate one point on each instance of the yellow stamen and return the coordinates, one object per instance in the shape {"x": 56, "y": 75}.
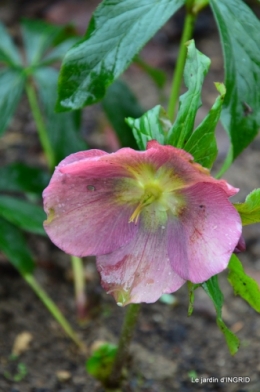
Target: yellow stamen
{"x": 151, "y": 193}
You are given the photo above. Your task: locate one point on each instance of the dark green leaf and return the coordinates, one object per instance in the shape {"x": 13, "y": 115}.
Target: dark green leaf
{"x": 249, "y": 211}
{"x": 243, "y": 285}
{"x": 158, "y": 76}
{"x": 19, "y": 177}
{"x": 196, "y": 68}
{"x": 117, "y": 31}
{"x": 23, "y": 214}
{"x": 100, "y": 362}
{"x": 62, "y": 128}
{"x": 119, "y": 103}
{"x": 202, "y": 144}
{"x": 154, "y": 124}
{"x": 8, "y": 52}
{"x": 38, "y": 37}
{"x": 239, "y": 30}
{"x": 13, "y": 245}
{"x": 12, "y": 84}
{"x": 211, "y": 287}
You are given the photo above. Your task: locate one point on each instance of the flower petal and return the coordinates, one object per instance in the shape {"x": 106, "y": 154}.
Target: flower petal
{"x": 84, "y": 215}
{"x": 202, "y": 240}
{"x": 139, "y": 271}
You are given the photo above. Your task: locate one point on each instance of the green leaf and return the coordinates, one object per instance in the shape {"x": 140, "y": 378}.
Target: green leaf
{"x": 38, "y": 37}
{"x": 243, "y": 285}
{"x": 59, "y": 51}
{"x": 100, "y": 363}
{"x": 202, "y": 144}
{"x": 18, "y": 177}
{"x": 116, "y": 33}
{"x": 196, "y": 68}
{"x": 12, "y": 84}
{"x": 22, "y": 214}
{"x": 231, "y": 339}
{"x": 249, "y": 211}
{"x": 191, "y": 287}
{"x": 154, "y": 124}
{"x": 63, "y": 128}
{"x": 13, "y": 245}
{"x": 119, "y": 103}
{"x": 9, "y": 54}
{"x": 211, "y": 287}
{"x": 239, "y": 31}
{"x": 158, "y": 76}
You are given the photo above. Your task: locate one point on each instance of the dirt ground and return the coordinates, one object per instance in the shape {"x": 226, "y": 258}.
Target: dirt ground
{"x": 169, "y": 348}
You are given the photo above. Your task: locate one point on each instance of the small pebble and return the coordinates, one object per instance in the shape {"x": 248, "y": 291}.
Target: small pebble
{"x": 63, "y": 375}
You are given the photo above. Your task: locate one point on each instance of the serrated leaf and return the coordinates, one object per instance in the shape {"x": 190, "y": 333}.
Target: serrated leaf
{"x": 13, "y": 245}
{"x": 202, "y": 143}
{"x": 22, "y": 214}
{"x": 119, "y": 103}
{"x": 249, "y": 211}
{"x": 211, "y": 287}
{"x": 9, "y": 54}
{"x": 38, "y": 37}
{"x": 63, "y": 128}
{"x": 18, "y": 177}
{"x": 12, "y": 84}
{"x": 243, "y": 285}
{"x": 239, "y": 31}
{"x": 196, "y": 68}
{"x": 154, "y": 124}
{"x": 116, "y": 33}
{"x": 100, "y": 363}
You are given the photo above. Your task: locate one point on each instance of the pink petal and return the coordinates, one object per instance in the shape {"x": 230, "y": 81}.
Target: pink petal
{"x": 84, "y": 214}
{"x": 202, "y": 240}
{"x": 139, "y": 271}
{"x": 184, "y": 167}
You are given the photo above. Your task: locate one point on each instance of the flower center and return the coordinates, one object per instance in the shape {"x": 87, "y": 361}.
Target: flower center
{"x": 152, "y": 192}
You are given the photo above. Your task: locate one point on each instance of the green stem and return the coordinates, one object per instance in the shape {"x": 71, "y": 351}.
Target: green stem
{"x": 50, "y": 305}
{"x": 129, "y": 324}
{"x": 79, "y": 285}
{"x": 177, "y": 79}
{"x": 42, "y": 132}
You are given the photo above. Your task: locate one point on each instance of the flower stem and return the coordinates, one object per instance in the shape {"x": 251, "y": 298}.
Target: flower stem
{"x": 178, "y": 72}
{"x": 50, "y": 156}
{"x": 50, "y": 305}
{"x": 42, "y": 132}
{"x": 79, "y": 285}
{"x": 129, "y": 324}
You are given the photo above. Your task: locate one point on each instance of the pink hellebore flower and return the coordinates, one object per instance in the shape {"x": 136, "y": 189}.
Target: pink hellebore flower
{"x": 154, "y": 218}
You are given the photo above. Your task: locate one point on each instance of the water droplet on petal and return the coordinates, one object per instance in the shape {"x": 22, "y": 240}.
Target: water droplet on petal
{"x": 91, "y": 188}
